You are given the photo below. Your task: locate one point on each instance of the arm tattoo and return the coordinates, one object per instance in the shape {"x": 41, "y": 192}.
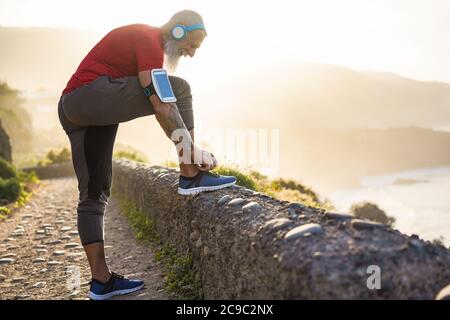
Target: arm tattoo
{"x": 172, "y": 123}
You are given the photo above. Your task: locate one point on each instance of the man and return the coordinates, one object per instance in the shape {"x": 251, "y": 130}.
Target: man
{"x": 107, "y": 89}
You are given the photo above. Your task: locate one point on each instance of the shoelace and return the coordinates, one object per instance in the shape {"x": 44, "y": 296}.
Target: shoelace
{"x": 113, "y": 275}
{"x": 213, "y": 174}
{"x": 117, "y": 276}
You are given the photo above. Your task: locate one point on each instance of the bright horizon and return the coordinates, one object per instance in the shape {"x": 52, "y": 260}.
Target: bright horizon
{"x": 403, "y": 37}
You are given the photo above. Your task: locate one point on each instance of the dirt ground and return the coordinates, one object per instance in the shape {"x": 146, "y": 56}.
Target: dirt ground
{"x": 41, "y": 256}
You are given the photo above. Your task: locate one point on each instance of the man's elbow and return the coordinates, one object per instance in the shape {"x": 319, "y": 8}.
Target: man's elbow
{"x": 144, "y": 78}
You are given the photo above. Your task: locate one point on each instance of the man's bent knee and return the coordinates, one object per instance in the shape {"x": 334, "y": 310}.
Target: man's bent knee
{"x": 181, "y": 88}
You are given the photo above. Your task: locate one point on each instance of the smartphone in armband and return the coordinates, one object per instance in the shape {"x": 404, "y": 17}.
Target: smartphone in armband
{"x": 161, "y": 83}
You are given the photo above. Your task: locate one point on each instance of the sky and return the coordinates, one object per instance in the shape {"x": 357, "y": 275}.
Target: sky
{"x": 407, "y": 37}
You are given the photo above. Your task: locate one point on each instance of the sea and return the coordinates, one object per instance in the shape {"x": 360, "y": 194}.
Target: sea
{"x": 420, "y": 205}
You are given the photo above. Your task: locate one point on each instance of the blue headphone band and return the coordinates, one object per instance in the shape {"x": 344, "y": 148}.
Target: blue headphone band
{"x": 186, "y": 29}
{"x": 198, "y": 26}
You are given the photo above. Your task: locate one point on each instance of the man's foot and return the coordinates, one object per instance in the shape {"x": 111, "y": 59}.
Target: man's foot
{"x": 117, "y": 285}
{"x": 204, "y": 181}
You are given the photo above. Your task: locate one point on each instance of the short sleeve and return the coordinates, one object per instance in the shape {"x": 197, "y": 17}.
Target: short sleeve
{"x": 148, "y": 50}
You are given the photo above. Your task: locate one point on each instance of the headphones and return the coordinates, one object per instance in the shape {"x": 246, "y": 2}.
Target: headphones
{"x": 179, "y": 32}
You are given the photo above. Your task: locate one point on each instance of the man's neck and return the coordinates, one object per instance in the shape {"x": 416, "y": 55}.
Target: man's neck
{"x": 165, "y": 33}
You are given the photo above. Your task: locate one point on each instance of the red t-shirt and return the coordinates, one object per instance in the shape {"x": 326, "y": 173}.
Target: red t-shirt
{"x": 123, "y": 52}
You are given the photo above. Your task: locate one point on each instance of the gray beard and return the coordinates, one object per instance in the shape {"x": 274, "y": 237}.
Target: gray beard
{"x": 172, "y": 55}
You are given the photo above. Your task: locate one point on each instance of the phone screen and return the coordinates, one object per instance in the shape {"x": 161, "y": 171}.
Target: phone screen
{"x": 162, "y": 81}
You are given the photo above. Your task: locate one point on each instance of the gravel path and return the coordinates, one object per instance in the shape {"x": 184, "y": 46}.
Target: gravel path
{"x": 41, "y": 256}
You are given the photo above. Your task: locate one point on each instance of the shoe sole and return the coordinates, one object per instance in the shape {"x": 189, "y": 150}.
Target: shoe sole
{"x": 94, "y": 296}
{"x": 192, "y": 191}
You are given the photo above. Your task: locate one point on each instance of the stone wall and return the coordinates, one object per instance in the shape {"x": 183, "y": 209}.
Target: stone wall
{"x": 247, "y": 245}
{"x": 57, "y": 170}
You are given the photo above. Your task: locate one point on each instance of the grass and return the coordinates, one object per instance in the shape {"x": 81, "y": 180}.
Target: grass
{"x": 4, "y": 211}
{"x": 181, "y": 278}
{"x": 131, "y": 155}
{"x": 243, "y": 179}
{"x": 282, "y": 189}
{"x": 171, "y": 164}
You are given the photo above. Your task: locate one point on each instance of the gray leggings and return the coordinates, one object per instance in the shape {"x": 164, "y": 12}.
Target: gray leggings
{"x": 90, "y": 116}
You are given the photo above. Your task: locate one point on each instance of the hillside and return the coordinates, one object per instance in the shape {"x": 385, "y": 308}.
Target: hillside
{"x": 329, "y": 159}
{"x": 326, "y": 96}
{"x": 41, "y": 58}
{"x": 307, "y": 102}
{"x": 285, "y": 96}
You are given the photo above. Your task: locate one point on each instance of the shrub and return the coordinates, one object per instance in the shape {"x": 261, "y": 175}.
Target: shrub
{"x": 28, "y": 177}
{"x": 244, "y": 180}
{"x": 7, "y": 170}
{"x": 131, "y": 155}
{"x": 14, "y": 185}
{"x": 281, "y": 183}
{"x": 55, "y": 156}
{"x": 170, "y": 164}
{"x": 4, "y": 211}
{"x": 372, "y": 212}
{"x": 288, "y": 190}
{"x": 15, "y": 118}
{"x": 23, "y": 199}
{"x": 10, "y": 189}
{"x": 294, "y": 196}
{"x": 438, "y": 241}
{"x": 257, "y": 175}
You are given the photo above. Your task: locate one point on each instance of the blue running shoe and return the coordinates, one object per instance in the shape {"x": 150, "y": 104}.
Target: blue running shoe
{"x": 117, "y": 285}
{"x": 204, "y": 181}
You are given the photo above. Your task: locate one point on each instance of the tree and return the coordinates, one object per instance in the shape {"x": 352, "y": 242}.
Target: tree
{"x": 370, "y": 211}
{"x": 15, "y": 119}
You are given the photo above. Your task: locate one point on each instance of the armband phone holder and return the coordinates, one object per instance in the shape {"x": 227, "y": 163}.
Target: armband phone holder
{"x": 161, "y": 86}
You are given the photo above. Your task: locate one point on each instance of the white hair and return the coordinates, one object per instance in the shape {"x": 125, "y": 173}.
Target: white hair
{"x": 171, "y": 46}
{"x": 186, "y": 17}
{"x": 172, "y": 56}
